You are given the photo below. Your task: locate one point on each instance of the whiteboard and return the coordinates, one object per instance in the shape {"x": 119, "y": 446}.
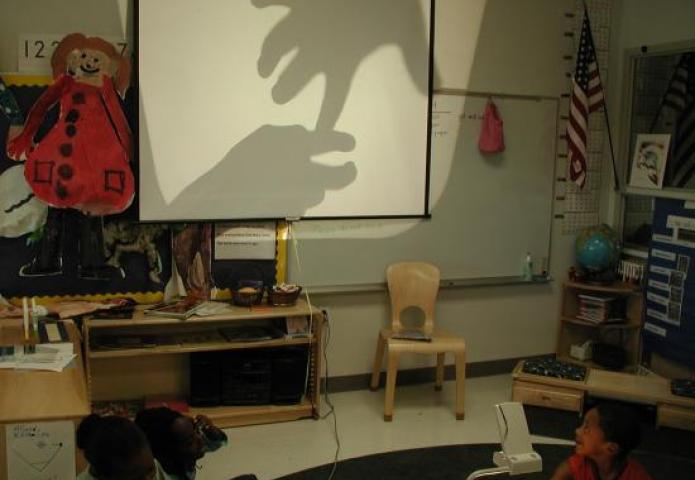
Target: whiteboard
{"x": 486, "y": 211}
{"x": 251, "y": 110}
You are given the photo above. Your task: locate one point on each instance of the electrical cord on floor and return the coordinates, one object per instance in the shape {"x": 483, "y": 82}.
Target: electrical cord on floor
{"x": 326, "y": 341}
{"x": 331, "y": 411}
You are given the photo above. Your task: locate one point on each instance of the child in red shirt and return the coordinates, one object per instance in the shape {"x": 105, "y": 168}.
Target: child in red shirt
{"x": 603, "y": 442}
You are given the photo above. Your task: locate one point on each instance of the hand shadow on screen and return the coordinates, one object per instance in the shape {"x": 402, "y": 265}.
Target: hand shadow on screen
{"x": 352, "y": 30}
{"x": 271, "y": 171}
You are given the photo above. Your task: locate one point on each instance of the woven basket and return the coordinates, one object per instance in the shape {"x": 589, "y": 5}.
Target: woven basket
{"x": 283, "y": 299}
{"x": 246, "y": 299}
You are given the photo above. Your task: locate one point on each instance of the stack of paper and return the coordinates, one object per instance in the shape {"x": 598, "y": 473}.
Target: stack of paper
{"x": 51, "y": 357}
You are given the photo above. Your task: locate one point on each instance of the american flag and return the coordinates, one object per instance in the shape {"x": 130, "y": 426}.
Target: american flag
{"x": 587, "y": 96}
{"x": 680, "y": 97}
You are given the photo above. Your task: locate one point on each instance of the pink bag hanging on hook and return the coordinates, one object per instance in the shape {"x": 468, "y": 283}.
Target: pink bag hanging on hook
{"x": 491, "y": 134}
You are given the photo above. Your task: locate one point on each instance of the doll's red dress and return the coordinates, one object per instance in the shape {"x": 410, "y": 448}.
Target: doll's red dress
{"x": 83, "y": 161}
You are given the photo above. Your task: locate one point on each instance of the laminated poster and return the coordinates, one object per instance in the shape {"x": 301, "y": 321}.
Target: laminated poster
{"x": 41, "y": 451}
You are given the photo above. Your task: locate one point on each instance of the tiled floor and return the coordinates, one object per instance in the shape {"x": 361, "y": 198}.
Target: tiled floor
{"x": 422, "y": 417}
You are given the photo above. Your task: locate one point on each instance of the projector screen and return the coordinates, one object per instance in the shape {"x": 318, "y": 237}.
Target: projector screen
{"x": 253, "y": 109}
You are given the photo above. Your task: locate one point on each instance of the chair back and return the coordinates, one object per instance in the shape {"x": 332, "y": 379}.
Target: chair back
{"x": 412, "y": 284}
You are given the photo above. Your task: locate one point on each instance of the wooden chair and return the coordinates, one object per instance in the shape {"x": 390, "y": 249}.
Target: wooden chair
{"x": 415, "y": 284}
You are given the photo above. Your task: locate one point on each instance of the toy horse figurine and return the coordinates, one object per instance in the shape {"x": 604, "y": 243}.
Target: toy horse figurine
{"x": 82, "y": 163}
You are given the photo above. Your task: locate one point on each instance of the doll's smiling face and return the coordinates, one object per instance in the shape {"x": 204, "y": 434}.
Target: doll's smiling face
{"x": 88, "y": 66}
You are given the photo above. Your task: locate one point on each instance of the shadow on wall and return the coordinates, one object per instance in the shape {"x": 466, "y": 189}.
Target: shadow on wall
{"x": 503, "y": 61}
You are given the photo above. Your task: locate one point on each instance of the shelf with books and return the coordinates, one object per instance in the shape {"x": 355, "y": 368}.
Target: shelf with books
{"x": 612, "y": 324}
{"x": 254, "y": 414}
{"x": 602, "y": 315}
{"x": 177, "y": 348}
{"x": 151, "y": 355}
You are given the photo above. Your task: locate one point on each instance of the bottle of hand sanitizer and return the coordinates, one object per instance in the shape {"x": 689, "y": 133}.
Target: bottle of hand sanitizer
{"x": 527, "y": 273}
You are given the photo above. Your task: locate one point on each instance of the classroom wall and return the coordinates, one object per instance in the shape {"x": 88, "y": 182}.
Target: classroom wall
{"x": 499, "y": 46}
{"x": 490, "y": 46}
{"x": 636, "y": 23}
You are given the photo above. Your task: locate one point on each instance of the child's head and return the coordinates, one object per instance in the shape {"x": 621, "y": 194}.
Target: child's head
{"x": 115, "y": 448}
{"x": 173, "y": 438}
{"x": 609, "y": 431}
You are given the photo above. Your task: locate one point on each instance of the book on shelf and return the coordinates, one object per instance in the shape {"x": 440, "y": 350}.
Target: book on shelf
{"x": 600, "y": 309}
{"x": 181, "y": 309}
{"x": 172, "y": 402}
{"x": 250, "y": 333}
{"x": 417, "y": 335}
{"x": 595, "y": 298}
{"x": 121, "y": 408}
{"x": 297, "y": 326}
{"x": 599, "y": 321}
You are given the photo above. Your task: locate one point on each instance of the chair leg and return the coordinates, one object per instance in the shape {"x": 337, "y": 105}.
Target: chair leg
{"x": 440, "y": 372}
{"x": 460, "y": 384}
{"x": 391, "y": 373}
{"x": 378, "y": 359}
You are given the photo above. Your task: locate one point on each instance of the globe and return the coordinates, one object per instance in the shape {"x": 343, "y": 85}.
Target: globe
{"x": 597, "y": 251}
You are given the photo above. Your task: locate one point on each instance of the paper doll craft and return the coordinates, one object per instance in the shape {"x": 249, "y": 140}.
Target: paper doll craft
{"x": 83, "y": 161}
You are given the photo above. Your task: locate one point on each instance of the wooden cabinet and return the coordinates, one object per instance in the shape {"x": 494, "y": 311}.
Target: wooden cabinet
{"x": 561, "y": 393}
{"x": 151, "y": 357}
{"x": 561, "y": 398}
{"x": 573, "y": 330}
{"x": 675, "y": 416}
{"x": 28, "y": 396}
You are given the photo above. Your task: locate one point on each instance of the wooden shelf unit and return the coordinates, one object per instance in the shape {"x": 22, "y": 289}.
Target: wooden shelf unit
{"x": 28, "y": 396}
{"x": 197, "y": 347}
{"x": 575, "y": 331}
{"x": 563, "y": 394}
{"x": 129, "y": 372}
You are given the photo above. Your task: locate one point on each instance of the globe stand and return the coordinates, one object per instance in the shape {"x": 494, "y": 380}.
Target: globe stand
{"x": 605, "y": 277}
{"x": 597, "y": 252}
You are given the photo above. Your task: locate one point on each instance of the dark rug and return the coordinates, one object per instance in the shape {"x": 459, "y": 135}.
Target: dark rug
{"x": 670, "y": 442}
{"x": 456, "y": 462}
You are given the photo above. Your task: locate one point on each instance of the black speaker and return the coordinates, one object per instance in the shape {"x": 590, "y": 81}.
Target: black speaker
{"x": 205, "y": 377}
{"x": 289, "y": 375}
{"x": 609, "y": 356}
{"x": 246, "y": 377}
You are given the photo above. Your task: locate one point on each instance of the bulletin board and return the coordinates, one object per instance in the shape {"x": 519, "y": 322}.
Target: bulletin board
{"x": 669, "y": 326}
{"x": 137, "y": 282}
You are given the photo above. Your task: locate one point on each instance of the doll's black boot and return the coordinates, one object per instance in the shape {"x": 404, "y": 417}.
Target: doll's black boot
{"x": 93, "y": 264}
{"x": 48, "y": 259}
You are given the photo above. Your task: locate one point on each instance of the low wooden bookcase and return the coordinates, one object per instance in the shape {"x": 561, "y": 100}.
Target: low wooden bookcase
{"x": 573, "y": 330}
{"x": 160, "y": 365}
{"x": 671, "y": 410}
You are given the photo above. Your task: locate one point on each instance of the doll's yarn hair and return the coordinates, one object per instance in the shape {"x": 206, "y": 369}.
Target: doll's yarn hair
{"x": 77, "y": 41}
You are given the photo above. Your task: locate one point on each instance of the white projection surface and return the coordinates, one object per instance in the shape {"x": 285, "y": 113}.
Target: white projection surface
{"x": 274, "y": 109}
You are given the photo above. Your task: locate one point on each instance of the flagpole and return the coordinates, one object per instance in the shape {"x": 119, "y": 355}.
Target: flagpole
{"x": 616, "y": 181}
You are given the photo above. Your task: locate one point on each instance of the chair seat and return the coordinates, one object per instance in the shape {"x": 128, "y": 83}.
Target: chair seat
{"x": 442, "y": 341}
